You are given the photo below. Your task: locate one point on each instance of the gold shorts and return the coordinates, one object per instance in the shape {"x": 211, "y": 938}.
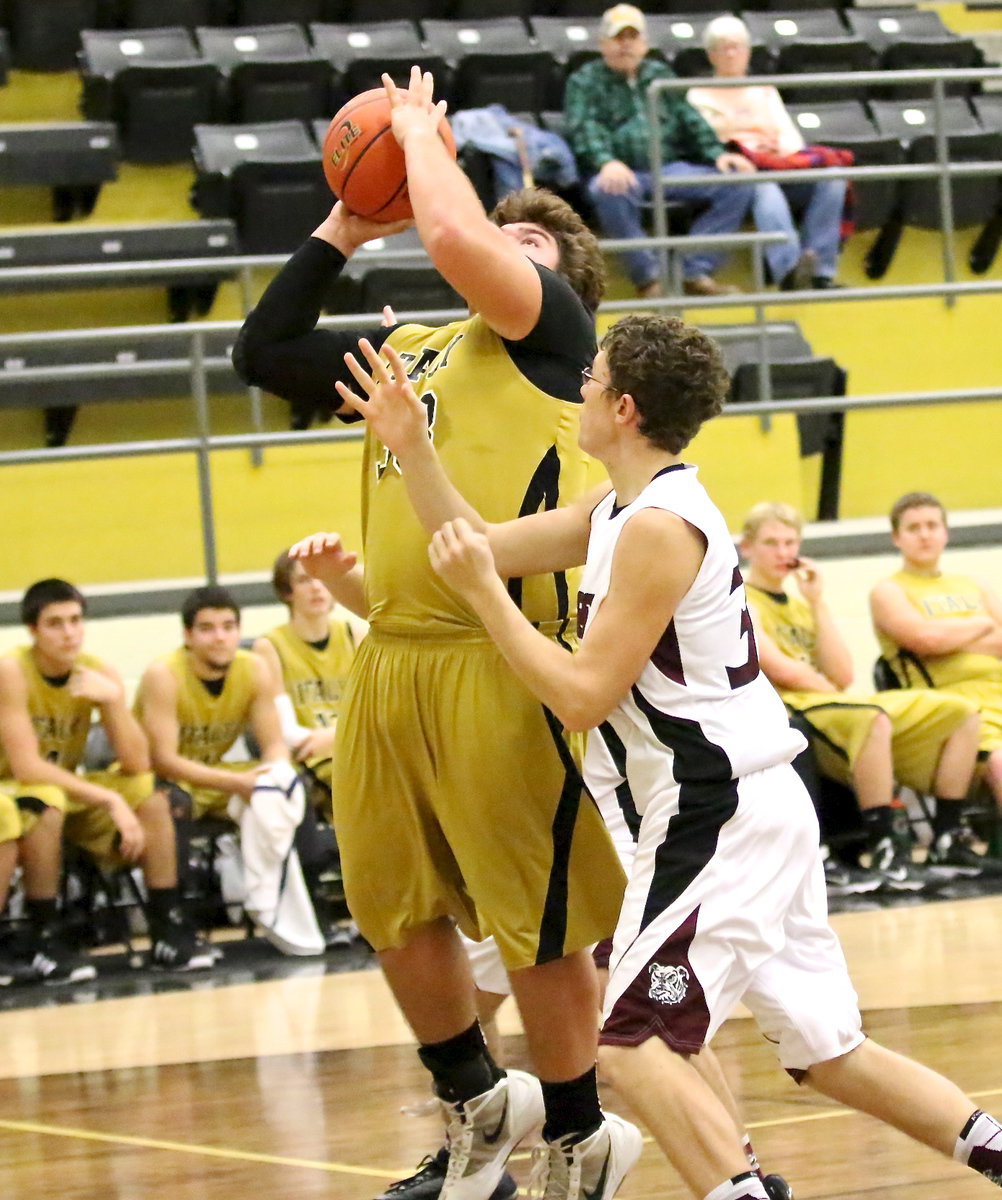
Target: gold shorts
{"x": 456, "y": 794}
{"x": 986, "y": 696}
{"x": 86, "y": 826}
{"x": 11, "y": 823}
{"x": 921, "y": 722}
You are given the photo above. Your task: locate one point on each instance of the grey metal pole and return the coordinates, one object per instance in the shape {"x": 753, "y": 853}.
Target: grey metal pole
{"x": 253, "y": 393}
{"x": 199, "y": 394}
{"x": 764, "y": 365}
{"x": 945, "y": 189}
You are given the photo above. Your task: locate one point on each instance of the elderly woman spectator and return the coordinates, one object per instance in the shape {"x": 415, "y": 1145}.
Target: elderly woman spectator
{"x": 756, "y": 119}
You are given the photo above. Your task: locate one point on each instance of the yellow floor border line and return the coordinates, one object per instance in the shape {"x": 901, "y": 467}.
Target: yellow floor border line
{"x": 275, "y": 1160}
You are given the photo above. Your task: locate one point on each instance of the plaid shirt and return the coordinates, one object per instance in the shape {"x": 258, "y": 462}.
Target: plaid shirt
{"x": 607, "y": 119}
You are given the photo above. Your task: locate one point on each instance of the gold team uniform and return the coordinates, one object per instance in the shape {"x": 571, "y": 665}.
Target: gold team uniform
{"x": 455, "y": 792}
{"x": 976, "y": 677}
{"x": 315, "y": 676}
{"x": 61, "y": 723}
{"x": 841, "y": 721}
{"x": 209, "y": 723}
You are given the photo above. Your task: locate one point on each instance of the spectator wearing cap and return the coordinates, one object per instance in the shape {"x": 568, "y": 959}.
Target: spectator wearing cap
{"x": 608, "y": 128}
{"x": 755, "y": 118}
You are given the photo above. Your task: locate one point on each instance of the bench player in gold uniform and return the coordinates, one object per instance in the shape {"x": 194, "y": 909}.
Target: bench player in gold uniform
{"x": 309, "y": 657}
{"x": 866, "y": 740}
{"x": 49, "y": 693}
{"x": 941, "y": 630}
{"x": 456, "y": 797}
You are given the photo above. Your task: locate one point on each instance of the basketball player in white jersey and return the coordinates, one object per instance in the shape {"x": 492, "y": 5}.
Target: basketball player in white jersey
{"x": 726, "y": 898}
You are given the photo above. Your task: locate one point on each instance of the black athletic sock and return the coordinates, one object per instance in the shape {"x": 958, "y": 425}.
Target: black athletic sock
{"x": 42, "y": 914}
{"x": 572, "y": 1108}
{"x": 878, "y": 822}
{"x": 161, "y": 903}
{"x": 461, "y": 1066}
{"x": 949, "y": 816}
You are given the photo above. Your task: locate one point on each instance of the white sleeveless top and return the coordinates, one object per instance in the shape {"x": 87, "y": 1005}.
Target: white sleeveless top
{"x": 701, "y": 712}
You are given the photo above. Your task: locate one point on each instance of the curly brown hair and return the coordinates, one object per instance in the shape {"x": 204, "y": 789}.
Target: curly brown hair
{"x": 673, "y": 371}
{"x": 581, "y": 261}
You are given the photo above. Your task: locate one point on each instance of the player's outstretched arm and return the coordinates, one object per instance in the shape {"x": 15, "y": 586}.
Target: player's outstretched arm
{"x": 894, "y": 615}
{"x": 324, "y": 557}
{"x": 486, "y": 267}
{"x": 657, "y": 558}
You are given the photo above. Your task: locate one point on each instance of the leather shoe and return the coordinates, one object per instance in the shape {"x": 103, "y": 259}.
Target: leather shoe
{"x": 800, "y": 277}
{"x": 650, "y": 290}
{"x": 706, "y": 285}
{"x": 825, "y": 281}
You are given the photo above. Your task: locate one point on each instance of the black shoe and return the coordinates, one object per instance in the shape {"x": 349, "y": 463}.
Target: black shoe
{"x": 174, "y": 946}
{"x": 427, "y": 1182}
{"x": 54, "y": 963}
{"x": 799, "y": 276}
{"x": 13, "y": 972}
{"x": 953, "y": 854}
{"x": 843, "y": 880}
{"x": 777, "y": 1188}
{"x": 825, "y": 282}
{"x": 893, "y": 863}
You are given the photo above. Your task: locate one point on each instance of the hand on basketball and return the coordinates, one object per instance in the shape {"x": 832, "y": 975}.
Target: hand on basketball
{"x": 345, "y": 231}
{"x": 390, "y": 407}
{"x": 462, "y": 557}
{"x": 414, "y": 109}
{"x": 324, "y": 557}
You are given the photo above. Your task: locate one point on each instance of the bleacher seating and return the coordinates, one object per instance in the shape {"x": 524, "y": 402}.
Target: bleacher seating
{"x": 913, "y": 39}
{"x": 155, "y": 14}
{"x": 153, "y": 84}
{"x": 266, "y": 177}
{"x": 268, "y": 73}
{"x": 4, "y": 56}
{"x": 73, "y": 158}
{"x": 45, "y": 34}
{"x": 360, "y": 54}
{"x": 492, "y": 62}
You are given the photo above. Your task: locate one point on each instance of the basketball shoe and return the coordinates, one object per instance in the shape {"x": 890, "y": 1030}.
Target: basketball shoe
{"x": 591, "y": 1169}
{"x": 485, "y": 1130}
{"x": 174, "y": 945}
{"x": 426, "y": 1183}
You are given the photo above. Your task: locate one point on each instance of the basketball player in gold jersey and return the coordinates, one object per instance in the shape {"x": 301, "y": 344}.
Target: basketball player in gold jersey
{"x": 867, "y": 740}
{"x": 196, "y": 701}
{"x": 456, "y": 796}
{"x": 941, "y": 630}
{"x": 49, "y": 693}
{"x": 309, "y": 658}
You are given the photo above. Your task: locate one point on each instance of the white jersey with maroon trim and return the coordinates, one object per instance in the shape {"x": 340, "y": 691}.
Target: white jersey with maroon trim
{"x": 701, "y": 711}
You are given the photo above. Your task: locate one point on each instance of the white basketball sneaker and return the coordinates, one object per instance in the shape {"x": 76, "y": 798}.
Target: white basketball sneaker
{"x": 589, "y": 1170}
{"x": 485, "y": 1130}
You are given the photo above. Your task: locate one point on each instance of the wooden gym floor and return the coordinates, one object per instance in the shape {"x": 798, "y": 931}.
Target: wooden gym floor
{"x": 302, "y": 1086}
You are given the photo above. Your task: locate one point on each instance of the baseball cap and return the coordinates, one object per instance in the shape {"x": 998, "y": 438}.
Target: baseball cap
{"x": 620, "y": 17}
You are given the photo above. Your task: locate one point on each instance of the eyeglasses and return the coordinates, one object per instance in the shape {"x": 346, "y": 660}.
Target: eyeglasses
{"x": 588, "y": 377}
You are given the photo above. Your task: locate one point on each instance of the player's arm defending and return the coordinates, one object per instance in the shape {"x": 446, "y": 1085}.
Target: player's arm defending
{"x": 158, "y": 696}
{"x": 550, "y": 541}
{"x": 896, "y": 617}
{"x": 103, "y": 686}
{"x": 657, "y": 558}
{"x": 324, "y": 557}
{"x": 20, "y": 744}
{"x": 486, "y": 267}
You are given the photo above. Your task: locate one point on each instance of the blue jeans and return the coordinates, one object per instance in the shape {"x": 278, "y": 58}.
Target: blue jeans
{"x": 619, "y": 217}
{"x": 822, "y": 205}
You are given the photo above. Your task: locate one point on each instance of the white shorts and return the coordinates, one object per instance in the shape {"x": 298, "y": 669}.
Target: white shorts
{"x": 489, "y": 972}
{"x": 727, "y": 903}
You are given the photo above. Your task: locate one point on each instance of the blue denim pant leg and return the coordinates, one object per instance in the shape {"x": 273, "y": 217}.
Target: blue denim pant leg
{"x": 821, "y": 223}
{"x": 771, "y": 214}
{"x": 619, "y": 217}
{"x": 728, "y": 206}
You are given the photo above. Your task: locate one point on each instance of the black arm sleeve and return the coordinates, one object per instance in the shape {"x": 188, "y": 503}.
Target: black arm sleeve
{"x": 281, "y": 350}
{"x": 562, "y": 342}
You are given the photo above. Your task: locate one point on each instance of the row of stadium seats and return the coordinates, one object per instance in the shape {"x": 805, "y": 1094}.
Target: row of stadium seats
{"x": 45, "y": 33}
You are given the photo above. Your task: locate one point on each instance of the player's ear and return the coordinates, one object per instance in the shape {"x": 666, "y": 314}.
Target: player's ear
{"x": 626, "y": 409}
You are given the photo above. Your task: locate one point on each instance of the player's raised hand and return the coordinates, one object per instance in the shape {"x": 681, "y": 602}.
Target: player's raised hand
{"x": 413, "y": 109}
{"x": 346, "y": 232}
{"x": 462, "y": 557}
{"x": 389, "y": 405}
{"x": 324, "y": 557}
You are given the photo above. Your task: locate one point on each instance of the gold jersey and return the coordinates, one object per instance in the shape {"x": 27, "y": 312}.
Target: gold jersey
{"x": 61, "y": 721}
{"x": 315, "y": 678}
{"x": 208, "y": 725}
{"x": 935, "y": 597}
{"x": 509, "y": 447}
{"x": 788, "y": 620}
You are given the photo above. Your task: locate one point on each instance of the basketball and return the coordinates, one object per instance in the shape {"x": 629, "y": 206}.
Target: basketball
{"x": 363, "y": 163}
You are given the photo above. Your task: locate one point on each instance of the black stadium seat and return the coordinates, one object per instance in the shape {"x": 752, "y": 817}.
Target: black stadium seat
{"x": 155, "y": 14}
{"x": 359, "y": 54}
{"x": 45, "y": 34}
{"x": 569, "y": 41}
{"x": 492, "y": 62}
{"x": 914, "y": 39}
{"x": 679, "y": 39}
{"x": 153, "y": 84}
{"x": 4, "y": 56}
{"x": 270, "y": 72}
{"x": 267, "y": 177}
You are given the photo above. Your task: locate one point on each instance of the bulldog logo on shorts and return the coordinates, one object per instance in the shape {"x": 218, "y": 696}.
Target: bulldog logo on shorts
{"x": 668, "y": 984}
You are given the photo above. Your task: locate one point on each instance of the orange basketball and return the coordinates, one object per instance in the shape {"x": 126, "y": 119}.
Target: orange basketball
{"x": 363, "y": 163}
